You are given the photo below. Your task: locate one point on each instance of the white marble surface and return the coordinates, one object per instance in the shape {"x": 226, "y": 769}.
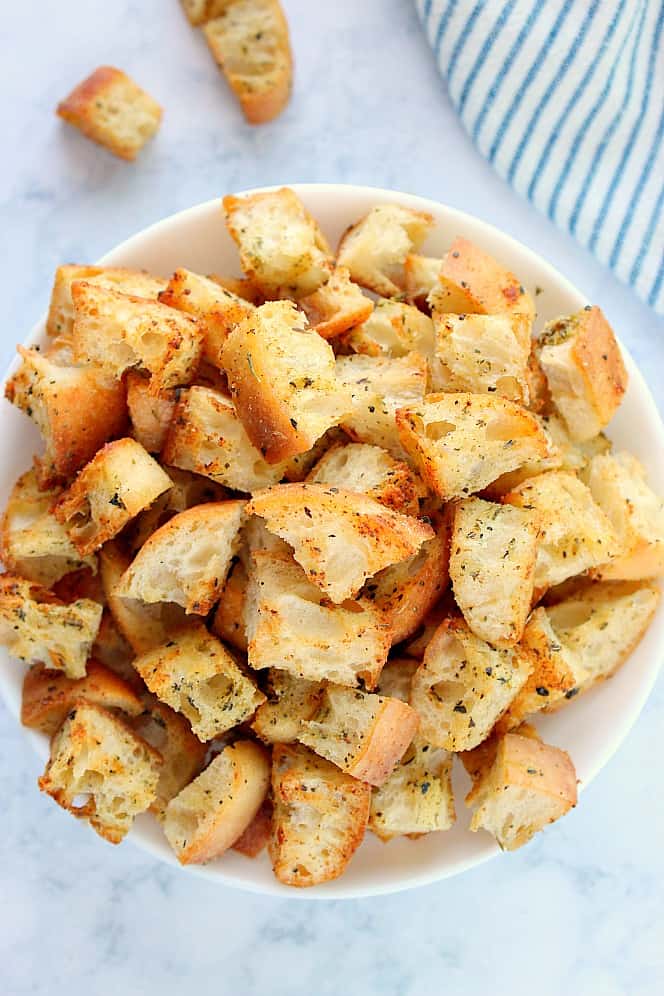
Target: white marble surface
{"x": 579, "y": 911}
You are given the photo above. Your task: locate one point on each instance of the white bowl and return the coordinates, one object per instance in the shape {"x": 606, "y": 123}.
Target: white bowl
{"x": 591, "y": 729}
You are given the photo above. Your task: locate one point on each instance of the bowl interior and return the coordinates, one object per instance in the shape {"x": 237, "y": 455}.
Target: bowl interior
{"x": 591, "y": 728}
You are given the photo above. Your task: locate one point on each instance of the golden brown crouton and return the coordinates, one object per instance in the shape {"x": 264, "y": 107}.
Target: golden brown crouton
{"x": 371, "y": 471}
{"x": 337, "y": 306}
{"x": 375, "y": 248}
{"x": 290, "y": 700}
{"x": 228, "y": 622}
{"x": 485, "y": 354}
{"x": 320, "y": 816}
{"x": 113, "y": 111}
{"x": 150, "y": 413}
{"x": 420, "y": 277}
{"x": 60, "y": 319}
{"x": 101, "y": 771}
{"x": 393, "y": 329}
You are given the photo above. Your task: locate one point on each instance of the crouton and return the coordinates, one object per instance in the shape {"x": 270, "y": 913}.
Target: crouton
{"x": 228, "y": 622}
{"x": 320, "y": 816}
{"x": 584, "y": 370}
{"x": 76, "y": 409}
{"x": 101, "y": 771}
{"x": 393, "y": 329}
{"x": 365, "y": 735}
{"x": 493, "y": 551}
{"x": 618, "y": 485}
{"x": 206, "y": 436}
{"x": 485, "y": 354}
{"x": 49, "y": 695}
{"x": 575, "y": 535}
{"x": 119, "y": 481}
{"x": 529, "y": 785}
{"x": 375, "y": 248}
{"x": 282, "y": 379}
{"x": 194, "y": 674}
{"x": 292, "y": 627}
{"x": 282, "y": 249}
{"x": 151, "y": 414}
{"x": 217, "y": 309}
{"x": 340, "y": 538}
{"x": 250, "y": 44}
{"x": 417, "y": 798}
{"x": 60, "y": 318}
{"x": 186, "y": 560}
{"x": 471, "y": 282}
{"x": 462, "y": 442}
{"x": 37, "y": 626}
{"x": 420, "y": 277}
{"x": 370, "y": 471}
{"x": 257, "y": 835}
{"x": 113, "y": 111}
{"x": 337, "y": 306}
{"x": 464, "y": 685}
{"x": 207, "y": 816}
{"x": 290, "y": 700}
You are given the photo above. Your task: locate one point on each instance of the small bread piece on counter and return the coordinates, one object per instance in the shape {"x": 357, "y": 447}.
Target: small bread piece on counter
{"x": 151, "y": 414}
{"x": 228, "y": 621}
{"x": 375, "y": 248}
{"x": 320, "y": 817}
{"x": 460, "y": 443}
{"x": 485, "y": 354}
{"x": 60, "y": 319}
{"x": 471, "y": 282}
{"x": 119, "y": 331}
{"x": 584, "y": 370}
{"x": 337, "y": 306}
{"x": 340, "y": 538}
{"x": 207, "y": 437}
{"x": 529, "y": 785}
{"x": 291, "y": 626}
{"x": 464, "y": 685}
{"x": 282, "y": 378}
{"x": 76, "y": 409}
{"x": 372, "y": 471}
{"x": 49, "y": 695}
{"x": 493, "y": 552}
{"x": 113, "y": 111}
{"x": 420, "y": 277}
{"x": 365, "y": 735}
{"x": 282, "y": 249}
{"x": 97, "y": 756}
{"x": 186, "y": 560}
{"x": 290, "y": 700}
{"x": 393, "y": 329}
{"x": 207, "y": 816}
{"x": 119, "y": 482}
{"x": 37, "y": 626}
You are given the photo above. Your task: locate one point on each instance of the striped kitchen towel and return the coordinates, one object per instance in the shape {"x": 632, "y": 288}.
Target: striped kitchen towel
{"x": 566, "y": 99}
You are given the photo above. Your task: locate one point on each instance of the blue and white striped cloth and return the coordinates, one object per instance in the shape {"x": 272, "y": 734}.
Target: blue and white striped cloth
{"x": 566, "y": 99}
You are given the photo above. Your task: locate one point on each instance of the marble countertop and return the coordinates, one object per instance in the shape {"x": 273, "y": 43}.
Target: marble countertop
{"x": 578, "y": 911}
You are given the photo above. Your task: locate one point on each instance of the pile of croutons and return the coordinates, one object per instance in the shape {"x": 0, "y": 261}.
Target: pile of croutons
{"x": 290, "y": 546}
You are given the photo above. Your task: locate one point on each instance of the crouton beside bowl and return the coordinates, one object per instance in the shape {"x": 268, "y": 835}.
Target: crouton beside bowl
{"x": 591, "y": 731}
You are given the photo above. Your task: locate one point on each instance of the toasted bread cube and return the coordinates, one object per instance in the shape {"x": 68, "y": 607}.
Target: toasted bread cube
{"x": 292, "y": 627}
{"x": 464, "y": 685}
{"x": 575, "y": 535}
{"x": 375, "y": 248}
{"x": 485, "y": 354}
{"x": 420, "y": 277}
{"x": 49, "y": 695}
{"x": 119, "y": 482}
{"x": 393, "y": 329}
{"x": 97, "y": 756}
{"x": 417, "y": 798}
{"x": 206, "y": 436}
{"x": 119, "y": 331}
{"x": 320, "y": 817}
{"x": 365, "y": 735}
{"x": 282, "y": 249}
{"x": 471, "y": 282}
{"x": 584, "y": 369}
{"x": 618, "y": 485}
{"x": 337, "y": 306}
{"x": 290, "y": 700}
{"x": 151, "y": 414}
{"x": 186, "y": 560}
{"x": 33, "y": 543}
{"x": 194, "y": 674}
{"x": 37, "y": 626}
{"x": 462, "y": 442}
{"x": 218, "y": 310}
{"x": 528, "y": 786}
{"x": 183, "y": 754}
{"x": 379, "y": 386}
{"x": 113, "y": 111}
{"x": 282, "y": 379}
{"x": 76, "y": 409}
{"x": 340, "y": 538}
{"x": 60, "y": 319}
{"x": 370, "y": 471}
{"x": 228, "y": 622}
{"x": 493, "y": 551}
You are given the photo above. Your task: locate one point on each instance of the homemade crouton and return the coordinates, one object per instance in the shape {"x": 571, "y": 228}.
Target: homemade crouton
{"x": 417, "y": 798}
{"x": 228, "y": 621}
{"x": 420, "y": 277}
{"x": 393, "y": 329}
{"x": 375, "y": 248}
{"x": 337, "y": 306}
{"x": 290, "y": 700}
{"x": 113, "y": 111}
{"x": 320, "y": 816}
{"x": 101, "y": 771}
{"x": 485, "y": 354}
{"x": 60, "y": 319}
{"x": 151, "y": 414}
{"x": 370, "y": 471}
